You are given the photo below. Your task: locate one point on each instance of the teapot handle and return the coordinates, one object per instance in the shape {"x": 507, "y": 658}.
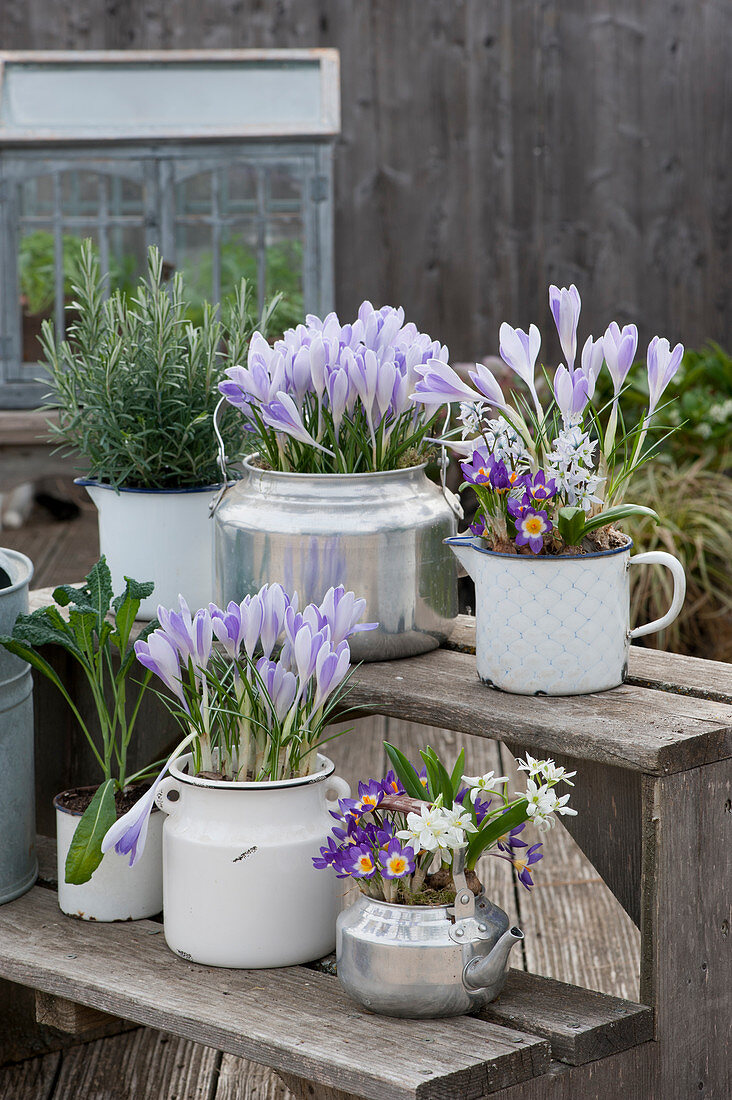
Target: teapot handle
{"x": 659, "y": 557}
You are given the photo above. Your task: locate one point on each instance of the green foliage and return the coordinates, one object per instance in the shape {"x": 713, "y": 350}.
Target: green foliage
{"x": 283, "y": 273}
{"x": 85, "y": 851}
{"x": 95, "y": 629}
{"x": 135, "y": 383}
{"x": 37, "y": 269}
{"x": 694, "y": 504}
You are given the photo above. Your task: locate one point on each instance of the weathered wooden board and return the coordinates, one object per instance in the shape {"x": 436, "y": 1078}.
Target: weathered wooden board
{"x": 630, "y": 727}
{"x": 580, "y": 1025}
{"x": 144, "y": 1065}
{"x": 33, "y": 1079}
{"x": 649, "y": 668}
{"x": 687, "y": 908}
{"x": 297, "y": 1020}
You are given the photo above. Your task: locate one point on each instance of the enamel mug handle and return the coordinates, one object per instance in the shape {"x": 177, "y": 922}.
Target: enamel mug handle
{"x": 167, "y": 795}
{"x": 336, "y": 788}
{"x": 659, "y": 557}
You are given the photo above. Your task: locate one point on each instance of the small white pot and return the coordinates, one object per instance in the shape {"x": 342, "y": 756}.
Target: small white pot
{"x": 239, "y": 885}
{"x": 549, "y": 625}
{"x": 115, "y": 891}
{"x": 159, "y": 535}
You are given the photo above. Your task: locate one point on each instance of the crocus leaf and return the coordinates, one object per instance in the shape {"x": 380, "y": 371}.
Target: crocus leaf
{"x": 571, "y": 524}
{"x": 457, "y": 774}
{"x": 405, "y": 772}
{"x": 492, "y": 828}
{"x": 621, "y": 511}
{"x": 85, "y": 851}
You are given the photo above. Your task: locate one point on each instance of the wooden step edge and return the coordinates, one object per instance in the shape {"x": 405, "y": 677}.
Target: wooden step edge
{"x": 580, "y": 1025}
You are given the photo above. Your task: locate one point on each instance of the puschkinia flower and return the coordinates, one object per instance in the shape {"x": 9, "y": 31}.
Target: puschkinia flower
{"x": 396, "y": 861}
{"x": 523, "y": 861}
{"x": 662, "y": 366}
{"x": 565, "y": 305}
{"x": 489, "y": 782}
{"x": 531, "y": 528}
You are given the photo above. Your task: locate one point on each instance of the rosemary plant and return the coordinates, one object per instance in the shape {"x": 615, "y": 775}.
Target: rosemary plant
{"x": 135, "y": 383}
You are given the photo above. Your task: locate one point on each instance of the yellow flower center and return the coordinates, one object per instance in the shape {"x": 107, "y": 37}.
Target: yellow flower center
{"x": 397, "y": 865}
{"x": 534, "y": 525}
{"x": 365, "y": 863}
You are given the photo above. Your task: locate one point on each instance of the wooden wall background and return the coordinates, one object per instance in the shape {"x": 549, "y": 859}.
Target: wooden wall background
{"x": 490, "y": 147}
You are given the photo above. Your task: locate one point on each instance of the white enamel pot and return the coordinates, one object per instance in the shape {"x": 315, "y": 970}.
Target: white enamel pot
{"x": 548, "y": 625}
{"x": 239, "y": 886}
{"x": 160, "y": 535}
{"x": 115, "y": 891}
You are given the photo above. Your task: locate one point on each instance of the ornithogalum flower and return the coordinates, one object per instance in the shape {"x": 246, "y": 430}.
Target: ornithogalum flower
{"x": 531, "y": 528}
{"x": 489, "y": 782}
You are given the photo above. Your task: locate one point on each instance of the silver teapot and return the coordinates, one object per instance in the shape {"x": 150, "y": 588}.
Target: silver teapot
{"x": 425, "y": 961}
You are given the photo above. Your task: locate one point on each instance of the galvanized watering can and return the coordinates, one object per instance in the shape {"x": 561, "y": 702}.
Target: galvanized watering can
{"x": 425, "y": 961}
{"x": 18, "y": 863}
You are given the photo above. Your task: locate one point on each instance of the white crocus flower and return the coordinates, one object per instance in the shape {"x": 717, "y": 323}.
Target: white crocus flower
{"x": 483, "y": 783}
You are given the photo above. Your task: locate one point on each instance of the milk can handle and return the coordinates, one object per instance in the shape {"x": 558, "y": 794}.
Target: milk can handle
{"x": 659, "y": 557}
{"x": 336, "y": 788}
{"x": 220, "y": 458}
{"x": 167, "y": 795}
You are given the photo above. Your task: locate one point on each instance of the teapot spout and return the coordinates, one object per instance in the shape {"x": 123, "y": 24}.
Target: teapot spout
{"x": 462, "y": 548}
{"x": 487, "y": 973}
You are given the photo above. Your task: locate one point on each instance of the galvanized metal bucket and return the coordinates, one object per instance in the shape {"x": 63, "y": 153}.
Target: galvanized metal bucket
{"x": 378, "y": 534}
{"x": 18, "y": 863}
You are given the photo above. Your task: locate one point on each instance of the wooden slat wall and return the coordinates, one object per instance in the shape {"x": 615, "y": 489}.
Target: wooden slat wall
{"x": 490, "y": 147}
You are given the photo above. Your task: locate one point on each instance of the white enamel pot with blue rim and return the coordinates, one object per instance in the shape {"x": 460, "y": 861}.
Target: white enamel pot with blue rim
{"x": 160, "y": 535}
{"x": 548, "y": 625}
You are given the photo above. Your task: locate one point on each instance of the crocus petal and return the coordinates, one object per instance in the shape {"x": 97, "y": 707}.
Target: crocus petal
{"x": 565, "y": 305}
{"x": 662, "y": 365}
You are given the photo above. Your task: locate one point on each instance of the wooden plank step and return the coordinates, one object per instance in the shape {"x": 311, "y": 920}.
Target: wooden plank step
{"x": 630, "y": 727}
{"x": 581, "y": 1025}
{"x": 294, "y": 1020}
{"x": 651, "y": 668}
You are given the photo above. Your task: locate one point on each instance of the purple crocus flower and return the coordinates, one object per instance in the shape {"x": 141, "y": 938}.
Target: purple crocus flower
{"x": 358, "y": 861}
{"x": 328, "y": 855}
{"x": 539, "y": 488}
{"x": 502, "y": 480}
{"x": 283, "y": 415}
{"x": 510, "y": 840}
{"x": 128, "y": 834}
{"x": 341, "y": 610}
{"x": 593, "y": 355}
{"x": 391, "y": 785}
{"x": 338, "y": 387}
{"x": 520, "y": 350}
{"x": 571, "y": 394}
{"x": 484, "y": 380}
{"x": 159, "y": 655}
{"x": 477, "y": 470}
{"x": 478, "y": 528}
{"x": 662, "y": 366}
{"x": 531, "y": 528}
{"x": 565, "y": 305}
{"x": 331, "y": 667}
{"x": 396, "y": 861}
{"x": 274, "y": 602}
{"x": 192, "y": 636}
{"x": 369, "y": 796}
{"x": 280, "y": 685}
{"x": 440, "y": 385}
{"x": 523, "y": 861}
{"x": 619, "y": 348}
